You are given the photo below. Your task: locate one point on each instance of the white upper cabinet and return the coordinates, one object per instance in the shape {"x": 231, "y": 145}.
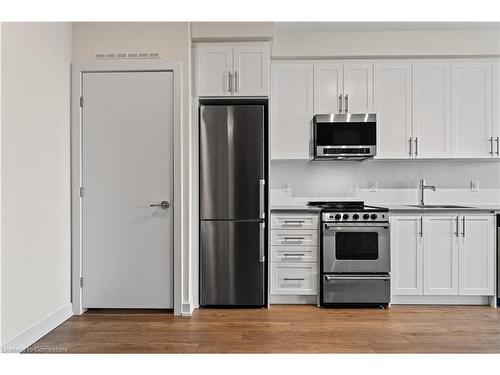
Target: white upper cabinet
{"x": 477, "y": 255}
{"x": 496, "y": 106}
{"x": 233, "y": 70}
{"x": 328, "y": 88}
{"x": 358, "y": 88}
{"x": 406, "y": 255}
{"x": 431, "y": 110}
{"x": 472, "y": 110}
{"x": 392, "y": 104}
{"x": 214, "y": 67}
{"x": 343, "y": 88}
{"x": 251, "y": 71}
{"x": 440, "y": 255}
{"x": 291, "y": 110}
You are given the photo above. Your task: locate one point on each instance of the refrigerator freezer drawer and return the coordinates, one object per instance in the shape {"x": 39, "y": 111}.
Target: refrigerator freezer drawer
{"x": 232, "y": 271}
{"x": 294, "y": 237}
{"x": 297, "y": 279}
{"x": 358, "y": 289}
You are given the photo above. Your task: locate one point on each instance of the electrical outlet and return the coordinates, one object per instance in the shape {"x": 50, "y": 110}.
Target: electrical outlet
{"x": 286, "y": 187}
{"x": 474, "y": 185}
{"x": 372, "y": 186}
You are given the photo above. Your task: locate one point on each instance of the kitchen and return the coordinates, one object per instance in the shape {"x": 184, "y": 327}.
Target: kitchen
{"x": 321, "y": 177}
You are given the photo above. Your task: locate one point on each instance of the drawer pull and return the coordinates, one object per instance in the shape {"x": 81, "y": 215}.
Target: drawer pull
{"x": 294, "y": 279}
{"x": 294, "y": 221}
{"x": 357, "y": 277}
{"x": 293, "y": 255}
{"x": 294, "y": 238}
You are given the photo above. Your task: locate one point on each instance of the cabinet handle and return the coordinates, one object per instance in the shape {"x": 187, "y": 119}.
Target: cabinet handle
{"x": 230, "y": 82}
{"x": 416, "y": 146}
{"x": 294, "y": 221}
{"x": 294, "y": 238}
{"x": 293, "y": 255}
{"x": 463, "y": 226}
{"x": 340, "y": 103}
{"x": 294, "y": 279}
{"x": 421, "y": 227}
{"x": 235, "y": 81}
{"x": 456, "y": 233}
{"x": 491, "y": 145}
{"x": 346, "y": 103}
{"x": 411, "y": 146}
{"x": 498, "y": 145}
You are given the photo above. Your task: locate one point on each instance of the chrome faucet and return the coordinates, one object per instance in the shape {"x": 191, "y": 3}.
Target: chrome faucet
{"x": 423, "y": 186}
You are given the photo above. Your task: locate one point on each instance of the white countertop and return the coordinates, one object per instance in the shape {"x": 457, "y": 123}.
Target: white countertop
{"x": 391, "y": 207}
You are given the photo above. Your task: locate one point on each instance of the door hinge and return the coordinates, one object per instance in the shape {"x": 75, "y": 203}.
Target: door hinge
{"x": 81, "y": 192}
{"x": 81, "y": 101}
{"x": 81, "y": 282}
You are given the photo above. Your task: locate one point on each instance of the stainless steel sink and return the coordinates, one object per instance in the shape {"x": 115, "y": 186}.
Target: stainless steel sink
{"x": 435, "y": 206}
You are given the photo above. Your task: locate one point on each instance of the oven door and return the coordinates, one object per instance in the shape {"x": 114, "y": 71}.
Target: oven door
{"x": 356, "y": 248}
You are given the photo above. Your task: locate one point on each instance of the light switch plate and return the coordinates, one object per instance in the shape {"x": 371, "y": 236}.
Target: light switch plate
{"x": 474, "y": 185}
{"x": 372, "y": 186}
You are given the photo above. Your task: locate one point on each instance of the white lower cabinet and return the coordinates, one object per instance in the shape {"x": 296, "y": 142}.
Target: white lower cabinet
{"x": 294, "y": 257}
{"x": 448, "y": 254}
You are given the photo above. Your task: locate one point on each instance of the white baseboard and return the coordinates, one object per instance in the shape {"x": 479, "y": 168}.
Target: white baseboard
{"x": 293, "y": 299}
{"x": 439, "y": 300}
{"x": 35, "y": 333}
{"x": 187, "y": 309}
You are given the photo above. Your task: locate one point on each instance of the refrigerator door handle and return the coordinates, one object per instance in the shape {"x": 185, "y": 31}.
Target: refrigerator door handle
{"x": 262, "y": 243}
{"x": 262, "y": 197}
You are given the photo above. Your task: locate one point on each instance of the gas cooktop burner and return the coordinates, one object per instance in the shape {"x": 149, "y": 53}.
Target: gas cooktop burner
{"x": 345, "y": 206}
{"x": 350, "y": 211}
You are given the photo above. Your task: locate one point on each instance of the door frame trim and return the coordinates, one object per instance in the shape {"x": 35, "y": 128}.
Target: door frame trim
{"x": 77, "y": 71}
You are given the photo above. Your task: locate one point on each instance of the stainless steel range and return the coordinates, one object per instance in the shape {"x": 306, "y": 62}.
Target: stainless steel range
{"x": 355, "y": 254}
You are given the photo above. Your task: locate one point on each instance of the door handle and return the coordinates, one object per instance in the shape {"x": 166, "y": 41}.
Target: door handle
{"x": 421, "y": 227}
{"x": 416, "y": 146}
{"x": 491, "y": 145}
{"x": 262, "y": 197}
{"x": 346, "y": 103}
{"x": 456, "y": 233}
{"x": 498, "y": 145}
{"x": 463, "y": 227}
{"x": 340, "y": 103}
{"x": 411, "y": 146}
{"x": 230, "y": 82}
{"x": 162, "y": 204}
{"x": 262, "y": 243}
{"x": 235, "y": 81}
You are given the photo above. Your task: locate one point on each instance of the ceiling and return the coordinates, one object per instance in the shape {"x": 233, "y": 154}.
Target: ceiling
{"x": 384, "y": 26}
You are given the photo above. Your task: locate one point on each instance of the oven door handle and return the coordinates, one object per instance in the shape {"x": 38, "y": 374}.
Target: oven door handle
{"x": 357, "y": 277}
{"x": 357, "y": 225}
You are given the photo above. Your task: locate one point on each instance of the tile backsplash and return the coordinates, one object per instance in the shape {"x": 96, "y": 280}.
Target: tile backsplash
{"x": 346, "y": 178}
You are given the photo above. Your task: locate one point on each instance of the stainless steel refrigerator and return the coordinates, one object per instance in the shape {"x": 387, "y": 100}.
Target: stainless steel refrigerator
{"x": 233, "y": 196}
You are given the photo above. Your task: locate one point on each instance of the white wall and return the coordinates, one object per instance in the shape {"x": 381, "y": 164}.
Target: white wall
{"x": 35, "y": 174}
{"x": 231, "y": 31}
{"x": 317, "y": 44}
{"x": 173, "y": 41}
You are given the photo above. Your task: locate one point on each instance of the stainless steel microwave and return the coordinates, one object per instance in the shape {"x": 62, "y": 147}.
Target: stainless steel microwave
{"x": 344, "y": 136}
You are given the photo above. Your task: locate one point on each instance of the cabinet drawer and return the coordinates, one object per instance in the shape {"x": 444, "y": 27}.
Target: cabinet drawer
{"x": 294, "y": 278}
{"x": 291, "y": 237}
{"x": 294, "y": 254}
{"x": 294, "y": 221}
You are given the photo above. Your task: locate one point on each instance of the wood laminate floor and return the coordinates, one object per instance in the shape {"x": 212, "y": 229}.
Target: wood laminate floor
{"x": 281, "y": 329}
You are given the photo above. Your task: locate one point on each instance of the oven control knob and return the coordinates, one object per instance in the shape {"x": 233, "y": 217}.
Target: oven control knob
{"x": 345, "y": 216}
{"x": 374, "y": 216}
{"x": 337, "y": 217}
{"x": 366, "y": 216}
{"x": 355, "y": 216}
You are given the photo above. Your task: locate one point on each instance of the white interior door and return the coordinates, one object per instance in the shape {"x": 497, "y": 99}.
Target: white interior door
{"x": 127, "y": 165}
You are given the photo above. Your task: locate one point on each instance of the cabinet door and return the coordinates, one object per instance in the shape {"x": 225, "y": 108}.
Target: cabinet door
{"x": 358, "y": 88}
{"x": 392, "y": 96}
{"x": 440, "y": 255}
{"x": 213, "y": 68}
{"x": 251, "y": 71}
{"x": 291, "y": 110}
{"x": 477, "y": 255}
{"x": 431, "y": 110}
{"x": 328, "y": 88}
{"x": 406, "y": 255}
{"x": 471, "y": 110}
{"x": 496, "y": 106}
